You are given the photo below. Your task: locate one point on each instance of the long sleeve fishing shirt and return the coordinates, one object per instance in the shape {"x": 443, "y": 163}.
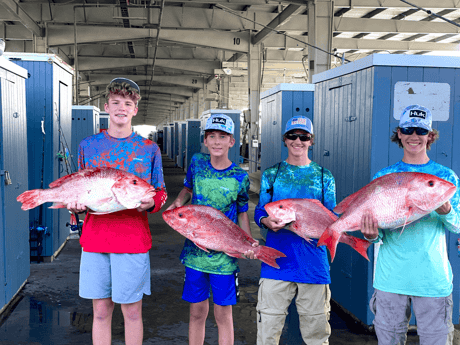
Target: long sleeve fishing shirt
{"x": 304, "y": 261}
{"x": 125, "y": 231}
{"x": 415, "y": 262}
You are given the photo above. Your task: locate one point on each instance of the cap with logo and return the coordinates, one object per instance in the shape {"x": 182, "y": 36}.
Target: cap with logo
{"x": 416, "y": 116}
{"x": 299, "y": 122}
{"x": 220, "y": 122}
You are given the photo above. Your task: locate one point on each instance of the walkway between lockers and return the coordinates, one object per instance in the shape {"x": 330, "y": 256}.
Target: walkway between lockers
{"x": 50, "y": 312}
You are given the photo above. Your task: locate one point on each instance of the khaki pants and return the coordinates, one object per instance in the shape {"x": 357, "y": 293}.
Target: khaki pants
{"x": 313, "y": 306}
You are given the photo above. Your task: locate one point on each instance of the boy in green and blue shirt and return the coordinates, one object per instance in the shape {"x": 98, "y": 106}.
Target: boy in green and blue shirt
{"x": 213, "y": 180}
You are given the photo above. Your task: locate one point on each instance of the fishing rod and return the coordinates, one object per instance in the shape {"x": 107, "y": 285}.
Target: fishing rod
{"x": 432, "y": 14}
{"x": 226, "y": 9}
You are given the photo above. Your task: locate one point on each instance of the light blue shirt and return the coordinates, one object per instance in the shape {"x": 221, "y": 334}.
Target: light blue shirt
{"x": 415, "y": 262}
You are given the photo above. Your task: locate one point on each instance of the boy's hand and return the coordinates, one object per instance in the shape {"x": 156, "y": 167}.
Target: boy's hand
{"x": 445, "y": 208}
{"x": 146, "y": 204}
{"x": 273, "y": 223}
{"x": 76, "y": 207}
{"x": 369, "y": 226}
{"x": 249, "y": 254}
{"x": 176, "y": 203}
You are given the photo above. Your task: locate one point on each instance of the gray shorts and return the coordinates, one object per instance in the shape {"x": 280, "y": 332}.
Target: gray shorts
{"x": 393, "y": 312}
{"x": 124, "y": 278}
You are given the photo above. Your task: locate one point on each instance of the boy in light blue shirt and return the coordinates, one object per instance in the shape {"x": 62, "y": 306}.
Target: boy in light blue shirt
{"x": 413, "y": 266}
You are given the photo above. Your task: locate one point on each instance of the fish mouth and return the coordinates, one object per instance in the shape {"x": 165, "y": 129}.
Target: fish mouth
{"x": 449, "y": 193}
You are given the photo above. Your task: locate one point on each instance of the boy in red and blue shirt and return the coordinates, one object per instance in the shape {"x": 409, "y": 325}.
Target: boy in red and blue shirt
{"x": 115, "y": 265}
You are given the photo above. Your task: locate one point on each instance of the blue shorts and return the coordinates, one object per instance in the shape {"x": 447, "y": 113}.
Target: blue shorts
{"x": 197, "y": 287}
{"x": 123, "y": 277}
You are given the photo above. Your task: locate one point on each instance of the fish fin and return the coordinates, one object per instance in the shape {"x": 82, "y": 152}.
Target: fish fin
{"x": 78, "y": 174}
{"x": 268, "y": 255}
{"x": 201, "y": 247}
{"x": 408, "y": 214}
{"x": 30, "y": 199}
{"x": 58, "y": 205}
{"x": 330, "y": 238}
{"x": 357, "y": 244}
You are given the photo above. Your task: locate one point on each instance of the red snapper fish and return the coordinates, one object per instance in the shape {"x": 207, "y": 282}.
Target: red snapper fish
{"x": 309, "y": 218}
{"x": 209, "y": 228}
{"x": 103, "y": 190}
{"x": 394, "y": 200}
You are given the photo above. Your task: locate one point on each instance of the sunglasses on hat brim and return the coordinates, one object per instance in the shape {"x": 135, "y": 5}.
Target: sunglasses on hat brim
{"x": 127, "y": 81}
{"x": 411, "y": 130}
{"x": 294, "y": 136}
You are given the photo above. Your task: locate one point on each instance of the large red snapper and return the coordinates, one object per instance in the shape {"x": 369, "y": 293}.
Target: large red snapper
{"x": 308, "y": 218}
{"x": 395, "y": 200}
{"x": 103, "y": 190}
{"x": 209, "y": 228}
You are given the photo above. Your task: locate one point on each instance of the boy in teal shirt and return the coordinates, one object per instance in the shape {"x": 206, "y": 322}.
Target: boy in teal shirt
{"x": 412, "y": 266}
{"x": 213, "y": 180}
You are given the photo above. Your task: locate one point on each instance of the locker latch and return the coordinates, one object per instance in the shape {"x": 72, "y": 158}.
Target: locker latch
{"x": 7, "y": 177}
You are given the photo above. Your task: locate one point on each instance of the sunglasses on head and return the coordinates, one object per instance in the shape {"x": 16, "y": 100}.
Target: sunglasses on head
{"x": 294, "y": 136}
{"x": 410, "y": 131}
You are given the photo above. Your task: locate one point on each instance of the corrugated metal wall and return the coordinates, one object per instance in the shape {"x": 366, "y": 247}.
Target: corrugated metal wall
{"x": 14, "y": 225}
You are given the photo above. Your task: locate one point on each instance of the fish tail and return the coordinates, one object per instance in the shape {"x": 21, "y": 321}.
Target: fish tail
{"x": 357, "y": 244}
{"x": 30, "y": 199}
{"x": 330, "y": 238}
{"x": 268, "y": 255}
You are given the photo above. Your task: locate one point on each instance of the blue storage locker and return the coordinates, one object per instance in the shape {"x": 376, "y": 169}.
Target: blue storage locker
{"x": 104, "y": 121}
{"x": 49, "y": 97}
{"x": 278, "y": 105}
{"x": 176, "y": 141}
{"x": 85, "y": 122}
{"x": 165, "y": 140}
{"x": 192, "y": 139}
{"x": 181, "y": 136}
{"x": 171, "y": 141}
{"x": 357, "y": 107}
{"x": 14, "y": 223}
{"x": 234, "y": 152}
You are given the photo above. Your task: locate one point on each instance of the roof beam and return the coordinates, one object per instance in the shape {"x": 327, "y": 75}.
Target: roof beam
{"x": 26, "y": 20}
{"x": 275, "y": 23}
{"x": 359, "y": 44}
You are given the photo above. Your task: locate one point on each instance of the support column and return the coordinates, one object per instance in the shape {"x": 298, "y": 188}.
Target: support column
{"x": 254, "y": 76}
{"x": 224, "y": 94}
{"x": 320, "y": 17}
{"x": 201, "y": 96}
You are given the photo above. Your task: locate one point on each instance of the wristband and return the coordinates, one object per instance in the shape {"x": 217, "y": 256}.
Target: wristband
{"x": 371, "y": 239}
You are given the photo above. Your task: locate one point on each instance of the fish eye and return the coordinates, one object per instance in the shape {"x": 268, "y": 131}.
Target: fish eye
{"x": 180, "y": 215}
{"x": 134, "y": 181}
{"x": 431, "y": 183}
{"x": 281, "y": 206}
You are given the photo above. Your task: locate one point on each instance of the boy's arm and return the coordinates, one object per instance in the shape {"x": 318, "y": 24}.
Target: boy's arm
{"x": 184, "y": 196}
{"x": 243, "y": 222}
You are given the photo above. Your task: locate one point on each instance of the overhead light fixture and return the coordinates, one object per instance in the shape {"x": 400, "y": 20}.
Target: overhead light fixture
{"x": 2, "y": 46}
{"x": 227, "y": 71}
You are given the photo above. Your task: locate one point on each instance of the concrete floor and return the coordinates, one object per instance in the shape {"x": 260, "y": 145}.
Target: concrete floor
{"x": 50, "y": 312}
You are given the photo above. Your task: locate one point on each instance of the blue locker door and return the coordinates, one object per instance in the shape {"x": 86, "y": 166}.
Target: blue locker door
{"x": 2, "y": 202}
{"x": 16, "y": 223}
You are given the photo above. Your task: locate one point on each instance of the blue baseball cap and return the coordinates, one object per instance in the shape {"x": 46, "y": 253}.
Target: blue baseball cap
{"x": 416, "y": 116}
{"x": 220, "y": 122}
{"x": 299, "y": 122}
